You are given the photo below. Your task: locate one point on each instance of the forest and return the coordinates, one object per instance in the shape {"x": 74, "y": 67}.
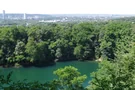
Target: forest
{"x": 112, "y": 42}
{"x": 44, "y": 44}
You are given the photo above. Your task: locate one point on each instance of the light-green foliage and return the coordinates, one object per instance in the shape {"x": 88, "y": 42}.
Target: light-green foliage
{"x": 70, "y": 78}
{"x": 50, "y": 42}
{"x": 117, "y": 75}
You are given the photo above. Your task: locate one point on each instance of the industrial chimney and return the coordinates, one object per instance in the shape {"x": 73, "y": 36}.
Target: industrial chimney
{"x": 4, "y": 14}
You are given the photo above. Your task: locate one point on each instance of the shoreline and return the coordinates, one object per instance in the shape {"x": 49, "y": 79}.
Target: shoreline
{"x": 17, "y": 65}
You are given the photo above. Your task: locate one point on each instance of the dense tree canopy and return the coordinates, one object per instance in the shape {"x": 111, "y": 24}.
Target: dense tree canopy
{"x": 43, "y": 44}
{"x": 46, "y": 43}
{"x": 117, "y": 75}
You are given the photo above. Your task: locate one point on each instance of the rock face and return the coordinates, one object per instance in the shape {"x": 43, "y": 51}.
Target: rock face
{"x": 99, "y": 60}
{"x": 17, "y": 65}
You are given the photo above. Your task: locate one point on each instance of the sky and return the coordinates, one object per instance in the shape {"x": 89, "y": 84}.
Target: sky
{"x": 68, "y": 6}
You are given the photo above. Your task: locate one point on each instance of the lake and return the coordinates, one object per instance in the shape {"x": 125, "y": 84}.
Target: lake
{"x": 43, "y": 74}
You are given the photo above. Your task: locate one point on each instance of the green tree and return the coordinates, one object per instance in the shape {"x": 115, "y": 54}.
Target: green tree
{"x": 118, "y": 75}
{"x": 70, "y": 78}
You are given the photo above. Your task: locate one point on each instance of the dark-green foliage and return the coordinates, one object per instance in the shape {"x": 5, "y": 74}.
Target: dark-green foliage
{"x": 116, "y": 75}
{"x": 47, "y": 43}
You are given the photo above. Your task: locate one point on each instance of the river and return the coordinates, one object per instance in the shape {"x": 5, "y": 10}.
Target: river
{"x": 43, "y": 74}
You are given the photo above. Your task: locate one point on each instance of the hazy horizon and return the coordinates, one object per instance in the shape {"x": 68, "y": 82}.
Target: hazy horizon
{"x": 68, "y": 6}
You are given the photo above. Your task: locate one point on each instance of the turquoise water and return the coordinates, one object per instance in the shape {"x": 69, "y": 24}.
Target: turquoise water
{"x": 43, "y": 74}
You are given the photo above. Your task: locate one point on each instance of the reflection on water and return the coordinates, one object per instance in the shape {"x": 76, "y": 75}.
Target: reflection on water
{"x": 46, "y": 73}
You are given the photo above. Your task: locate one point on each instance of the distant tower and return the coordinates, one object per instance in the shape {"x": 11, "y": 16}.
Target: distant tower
{"x": 4, "y": 14}
{"x": 24, "y": 16}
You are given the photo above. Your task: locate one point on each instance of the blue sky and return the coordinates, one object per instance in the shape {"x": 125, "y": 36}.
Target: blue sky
{"x": 68, "y": 6}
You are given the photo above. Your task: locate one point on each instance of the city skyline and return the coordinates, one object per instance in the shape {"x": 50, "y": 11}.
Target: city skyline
{"x": 68, "y": 6}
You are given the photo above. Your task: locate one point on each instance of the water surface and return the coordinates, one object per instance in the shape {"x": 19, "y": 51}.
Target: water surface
{"x": 43, "y": 74}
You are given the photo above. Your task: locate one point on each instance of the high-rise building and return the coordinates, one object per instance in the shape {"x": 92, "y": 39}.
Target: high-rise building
{"x": 3, "y": 14}
{"x": 24, "y": 16}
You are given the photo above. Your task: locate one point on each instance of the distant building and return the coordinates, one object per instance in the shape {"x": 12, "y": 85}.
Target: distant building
{"x": 24, "y": 16}
{"x": 4, "y": 14}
